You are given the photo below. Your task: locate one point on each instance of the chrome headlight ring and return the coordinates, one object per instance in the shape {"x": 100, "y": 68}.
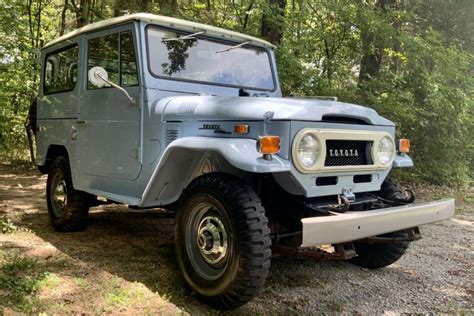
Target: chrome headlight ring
{"x": 307, "y": 150}
{"x": 385, "y": 150}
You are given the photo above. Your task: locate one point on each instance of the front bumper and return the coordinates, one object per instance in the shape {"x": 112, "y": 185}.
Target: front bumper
{"x": 357, "y": 225}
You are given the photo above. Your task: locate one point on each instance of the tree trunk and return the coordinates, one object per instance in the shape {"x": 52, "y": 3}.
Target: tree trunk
{"x": 371, "y": 61}
{"x": 84, "y": 10}
{"x": 247, "y": 15}
{"x": 272, "y": 21}
{"x": 144, "y": 5}
{"x": 168, "y": 7}
{"x": 62, "y": 26}
{"x": 121, "y": 7}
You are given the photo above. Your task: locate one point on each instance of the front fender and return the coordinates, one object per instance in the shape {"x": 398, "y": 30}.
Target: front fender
{"x": 181, "y": 161}
{"x": 239, "y": 152}
{"x": 402, "y": 161}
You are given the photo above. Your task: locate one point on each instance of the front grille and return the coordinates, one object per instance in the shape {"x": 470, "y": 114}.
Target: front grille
{"x": 347, "y": 153}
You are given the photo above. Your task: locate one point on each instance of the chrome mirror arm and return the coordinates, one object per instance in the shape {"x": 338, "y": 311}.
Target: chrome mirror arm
{"x": 131, "y": 99}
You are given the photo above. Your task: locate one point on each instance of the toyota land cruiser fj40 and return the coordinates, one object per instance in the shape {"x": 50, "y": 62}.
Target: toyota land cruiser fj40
{"x": 153, "y": 111}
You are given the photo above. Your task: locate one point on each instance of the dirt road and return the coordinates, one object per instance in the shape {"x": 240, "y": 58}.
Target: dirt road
{"x": 124, "y": 262}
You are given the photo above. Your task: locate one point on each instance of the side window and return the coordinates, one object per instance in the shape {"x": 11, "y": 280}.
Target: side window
{"x": 60, "y": 70}
{"x": 103, "y": 52}
{"x": 128, "y": 61}
{"x": 121, "y": 67}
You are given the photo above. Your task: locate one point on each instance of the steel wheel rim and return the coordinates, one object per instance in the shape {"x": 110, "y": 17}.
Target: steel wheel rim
{"x": 207, "y": 241}
{"x": 58, "y": 195}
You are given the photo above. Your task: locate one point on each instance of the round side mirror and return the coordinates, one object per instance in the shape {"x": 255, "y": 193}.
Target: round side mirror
{"x": 98, "y": 76}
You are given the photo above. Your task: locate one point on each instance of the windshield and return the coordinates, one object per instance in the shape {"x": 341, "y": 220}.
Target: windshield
{"x": 203, "y": 60}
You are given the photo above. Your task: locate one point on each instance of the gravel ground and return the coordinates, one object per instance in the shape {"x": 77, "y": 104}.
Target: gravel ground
{"x": 124, "y": 263}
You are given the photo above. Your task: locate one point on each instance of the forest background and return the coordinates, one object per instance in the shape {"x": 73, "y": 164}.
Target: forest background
{"x": 412, "y": 61}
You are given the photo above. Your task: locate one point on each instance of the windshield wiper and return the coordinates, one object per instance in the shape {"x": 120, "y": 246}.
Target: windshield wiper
{"x": 187, "y": 37}
{"x": 233, "y": 47}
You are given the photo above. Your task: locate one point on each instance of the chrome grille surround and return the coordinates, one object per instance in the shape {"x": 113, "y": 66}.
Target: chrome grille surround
{"x": 323, "y": 135}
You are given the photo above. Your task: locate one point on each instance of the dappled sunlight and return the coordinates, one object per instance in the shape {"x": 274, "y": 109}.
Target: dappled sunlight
{"x": 124, "y": 262}
{"x": 462, "y": 222}
{"x": 82, "y": 284}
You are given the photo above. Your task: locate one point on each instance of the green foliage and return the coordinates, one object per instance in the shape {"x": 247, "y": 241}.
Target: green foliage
{"x": 16, "y": 54}
{"x": 20, "y": 279}
{"x": 423, "y": 83}
{"x": 410, "y": 60}
{"x": 431, "y": 102}
{"x": 7, "y": 226}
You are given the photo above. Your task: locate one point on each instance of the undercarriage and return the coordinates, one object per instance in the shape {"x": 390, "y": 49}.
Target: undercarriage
{"x": 332, "y": 227}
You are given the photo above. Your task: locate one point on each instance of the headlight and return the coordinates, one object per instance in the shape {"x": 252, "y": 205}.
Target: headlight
{"x": 385, "y": 150}
{"x": 308, "y": 150}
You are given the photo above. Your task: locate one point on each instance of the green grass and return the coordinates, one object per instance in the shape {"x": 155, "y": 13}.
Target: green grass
{"x": 115, "y": 295}
{"x": 7, "y": 226}
{"x": 20, "y": 279}
{"x": 49, "y": 281}
{"x": 82, "y": 283}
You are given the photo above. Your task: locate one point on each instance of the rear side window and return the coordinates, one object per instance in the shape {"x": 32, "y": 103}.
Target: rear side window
{"x": 116, "y": 54}
{"x": 60, "y": 70}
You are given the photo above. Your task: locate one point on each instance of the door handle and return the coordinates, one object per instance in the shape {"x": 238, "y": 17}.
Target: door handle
{"x": 79, "y": 122}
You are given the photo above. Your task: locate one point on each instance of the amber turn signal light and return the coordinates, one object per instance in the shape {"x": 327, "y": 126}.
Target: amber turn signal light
{"x": 404, "y": 145}
{"x": 269, "y": 144}
{"x": 241, "y": 129}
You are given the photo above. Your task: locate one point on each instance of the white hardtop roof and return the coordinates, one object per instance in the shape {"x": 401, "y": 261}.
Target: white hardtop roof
{"x": 168, "y": 22}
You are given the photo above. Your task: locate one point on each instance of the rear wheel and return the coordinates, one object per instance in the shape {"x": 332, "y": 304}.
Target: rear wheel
{"x": 222, "y": 241}
{"x": 68, "y": 208}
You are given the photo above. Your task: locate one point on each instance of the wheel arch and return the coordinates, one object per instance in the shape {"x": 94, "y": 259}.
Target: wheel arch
{"x": 188, "y": 158}
{"x": 177, "y": 172}
{"x": 52, "y": 153}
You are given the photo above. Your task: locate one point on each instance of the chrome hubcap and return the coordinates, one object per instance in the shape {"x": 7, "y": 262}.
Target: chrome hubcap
{"x": 59, "y": 197}
{"x": 208, "y": 240}
{"x": 212, "y": 239}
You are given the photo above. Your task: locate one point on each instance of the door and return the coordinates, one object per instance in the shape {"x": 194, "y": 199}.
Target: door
{"x": 108, "y": 123}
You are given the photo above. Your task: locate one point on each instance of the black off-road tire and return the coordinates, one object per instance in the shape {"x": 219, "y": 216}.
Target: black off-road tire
{"x": 76, "y": 209}
{"x": 392, "y": 190}
{"x": 376, "y": 256}
{"x": 247, "y": 261}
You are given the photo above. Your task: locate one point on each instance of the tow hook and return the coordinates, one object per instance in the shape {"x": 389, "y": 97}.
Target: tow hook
{"x": 348, "y": 194}
{"x": 342, "y": 206}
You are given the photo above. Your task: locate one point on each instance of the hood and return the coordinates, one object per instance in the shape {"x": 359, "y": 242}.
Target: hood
{"x": 215, "y": 108}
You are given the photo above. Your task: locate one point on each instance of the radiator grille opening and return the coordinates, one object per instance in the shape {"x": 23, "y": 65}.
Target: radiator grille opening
{"x": 347, "y": 153}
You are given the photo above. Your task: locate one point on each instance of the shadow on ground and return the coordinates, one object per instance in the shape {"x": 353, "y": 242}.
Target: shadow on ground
{"x": 138, "y": 247}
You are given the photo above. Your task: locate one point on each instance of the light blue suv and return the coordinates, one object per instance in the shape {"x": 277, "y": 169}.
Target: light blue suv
{"x": 153, "y": 111}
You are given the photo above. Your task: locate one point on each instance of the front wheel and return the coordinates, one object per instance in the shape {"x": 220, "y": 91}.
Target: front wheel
{"x": 376, "y": 256}
{"x": 222, "y": 241}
